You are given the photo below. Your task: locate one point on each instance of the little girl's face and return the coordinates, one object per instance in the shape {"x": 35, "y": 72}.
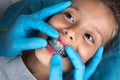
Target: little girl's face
{"x": 85, "y": 26}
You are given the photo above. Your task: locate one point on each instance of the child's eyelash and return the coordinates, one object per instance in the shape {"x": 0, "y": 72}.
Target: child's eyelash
{"x": 69, "y": 17}
{"x": 89, "y": 37}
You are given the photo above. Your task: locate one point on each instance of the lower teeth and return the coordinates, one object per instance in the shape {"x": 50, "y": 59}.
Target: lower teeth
{"x": 57, "y": 46}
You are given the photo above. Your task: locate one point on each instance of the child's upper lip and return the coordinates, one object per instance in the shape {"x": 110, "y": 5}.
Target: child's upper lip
{"x": 62, "y": 41}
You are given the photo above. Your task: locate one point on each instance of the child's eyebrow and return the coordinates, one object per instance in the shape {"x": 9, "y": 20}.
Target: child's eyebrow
{"x": 77, "y": 9}
{"x": 97, "y": 30}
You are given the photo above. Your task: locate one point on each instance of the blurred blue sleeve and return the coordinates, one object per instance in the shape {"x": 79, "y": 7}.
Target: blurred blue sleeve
{"x": 24, "y": 7}
{"x": 109, "y": 68}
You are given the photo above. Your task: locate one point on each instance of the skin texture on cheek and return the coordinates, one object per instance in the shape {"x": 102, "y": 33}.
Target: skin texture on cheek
{"x": 85, "y": 50}
{"x": 86, "y": 53}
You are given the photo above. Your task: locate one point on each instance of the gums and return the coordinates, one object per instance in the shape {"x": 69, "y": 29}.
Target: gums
{"x": 57, "y": 45}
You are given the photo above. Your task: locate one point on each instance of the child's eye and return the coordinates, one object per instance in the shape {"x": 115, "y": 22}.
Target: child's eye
{"x": 89, "y": 37}
{"x": 69, "y": 16}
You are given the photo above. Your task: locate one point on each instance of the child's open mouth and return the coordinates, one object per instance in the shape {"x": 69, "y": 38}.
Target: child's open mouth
{"x": 56, "y": 46}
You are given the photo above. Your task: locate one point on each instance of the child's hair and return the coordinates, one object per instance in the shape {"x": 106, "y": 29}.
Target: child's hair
{"x": 114, "y": 6}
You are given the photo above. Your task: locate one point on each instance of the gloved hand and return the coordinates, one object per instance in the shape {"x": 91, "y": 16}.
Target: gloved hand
{"x": 81, "y": 72}
{"x": 20, "y": 35}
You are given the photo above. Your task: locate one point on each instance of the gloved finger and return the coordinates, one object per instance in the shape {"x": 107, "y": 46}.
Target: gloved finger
{"x": 56, "y": 67}
{"x": 42, "y": 14}
{"x": 77, "y": 62}
{"x": 30, "y": 43}
{"x": 90, "y": 69}
{"x": 30, "y": 23}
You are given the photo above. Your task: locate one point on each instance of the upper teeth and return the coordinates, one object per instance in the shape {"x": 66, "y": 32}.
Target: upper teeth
{"x": 58, "y": 47}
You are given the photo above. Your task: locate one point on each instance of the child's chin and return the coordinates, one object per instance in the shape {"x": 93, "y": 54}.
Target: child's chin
{"x": 43, "y": 57}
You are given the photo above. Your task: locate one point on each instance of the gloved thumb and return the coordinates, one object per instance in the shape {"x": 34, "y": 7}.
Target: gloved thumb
{"x": 56, "y": 67}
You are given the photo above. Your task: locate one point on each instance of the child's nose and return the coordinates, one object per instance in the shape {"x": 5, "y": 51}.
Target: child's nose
{"x": 69, "y": 34}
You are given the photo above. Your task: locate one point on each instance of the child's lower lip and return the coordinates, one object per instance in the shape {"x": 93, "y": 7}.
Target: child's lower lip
{"x": 50, "y": 50}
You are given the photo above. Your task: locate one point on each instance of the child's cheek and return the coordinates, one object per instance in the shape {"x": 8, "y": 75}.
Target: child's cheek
{"x": 86, "y": 53}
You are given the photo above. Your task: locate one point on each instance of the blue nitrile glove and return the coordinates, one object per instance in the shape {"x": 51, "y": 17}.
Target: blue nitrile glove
{"x": 18, "y": 37}
{"x": 81, "y": 72}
